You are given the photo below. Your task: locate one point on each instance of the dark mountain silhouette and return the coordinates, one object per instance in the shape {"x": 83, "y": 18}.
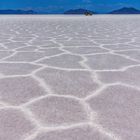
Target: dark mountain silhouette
{"x": 17, "y": 12}
{"x": 126, "y": 10}
{"x": 78, "y": 11}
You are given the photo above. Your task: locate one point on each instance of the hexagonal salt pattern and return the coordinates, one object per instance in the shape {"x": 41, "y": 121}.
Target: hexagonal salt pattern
{"x": 69, "y": 77}
{"x": 120, "y": 47}
{"x": 26, "y": 56}
{"x": 134, "y": 54}
{"x": 14, "y": 125}
{"x": 57, "y": 111}
{"x": 19, "y": 90}
{"x": 85, "y": 50}
{"x": 4, "y": 54}
{"x": 118, "y": 109}
{"x": 79, "y": 133}
{"x": 17, "y": 68}
{"x": 76, "y": 83}
{"x": 130, "y": 76}
{"x": 108, "y": 61}
{"x": 64, "y": 61}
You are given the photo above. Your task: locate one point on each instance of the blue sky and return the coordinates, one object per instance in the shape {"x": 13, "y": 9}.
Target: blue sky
{"x": 62, "y": 5}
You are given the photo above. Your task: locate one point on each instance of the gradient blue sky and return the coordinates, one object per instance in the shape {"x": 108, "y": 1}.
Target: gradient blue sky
{"x": 62, "y": 5}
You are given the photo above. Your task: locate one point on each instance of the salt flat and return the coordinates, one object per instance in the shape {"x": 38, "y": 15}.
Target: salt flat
{"x": 70, "y": 77}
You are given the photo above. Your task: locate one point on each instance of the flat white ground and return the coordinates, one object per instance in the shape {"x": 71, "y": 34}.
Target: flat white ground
{"x": 69, "y": 78}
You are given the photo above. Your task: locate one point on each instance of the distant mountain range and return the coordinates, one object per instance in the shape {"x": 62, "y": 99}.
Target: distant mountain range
{"x": 78, "y": 11}
{"x": 126, "y": 10}
{"x": 17, "y": 12}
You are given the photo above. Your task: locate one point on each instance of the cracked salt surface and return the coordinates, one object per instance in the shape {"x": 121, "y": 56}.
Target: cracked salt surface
{"x": 69, "y": 78}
